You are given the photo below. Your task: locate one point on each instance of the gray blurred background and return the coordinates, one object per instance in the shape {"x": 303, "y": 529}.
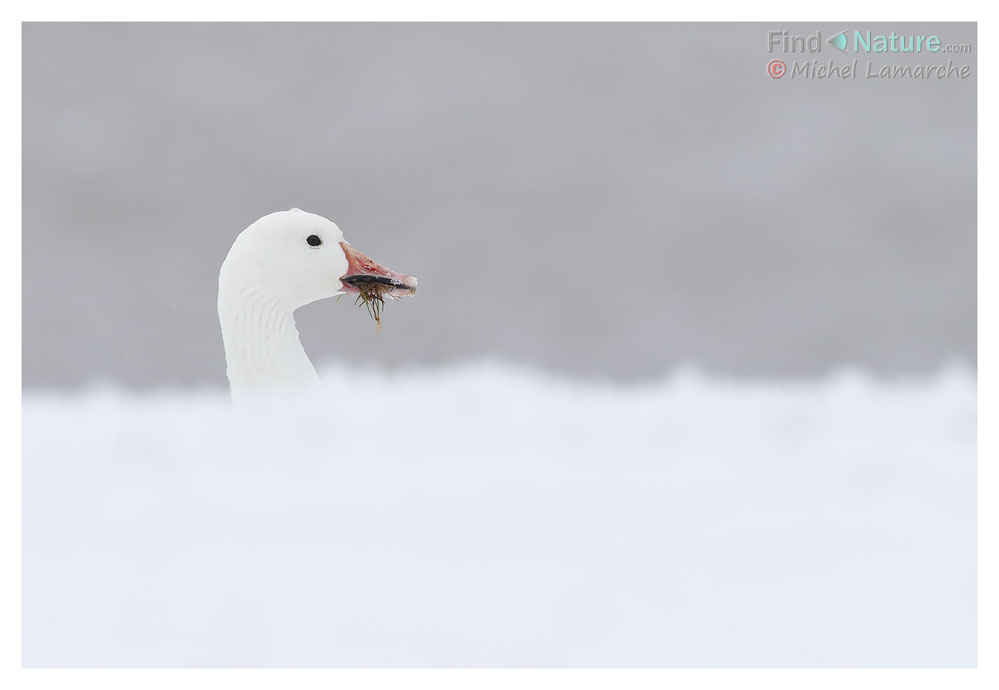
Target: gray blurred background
{"x": 600, "y": 200}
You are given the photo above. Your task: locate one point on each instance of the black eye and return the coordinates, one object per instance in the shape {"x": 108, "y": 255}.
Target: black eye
{"x": 313, "y": 240}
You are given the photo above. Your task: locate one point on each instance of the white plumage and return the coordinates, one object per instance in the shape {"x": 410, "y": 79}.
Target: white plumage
{"x": 282, "y": 262}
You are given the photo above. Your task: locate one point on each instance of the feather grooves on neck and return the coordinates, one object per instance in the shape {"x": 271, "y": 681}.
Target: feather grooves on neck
{"x": 262, "y": 348}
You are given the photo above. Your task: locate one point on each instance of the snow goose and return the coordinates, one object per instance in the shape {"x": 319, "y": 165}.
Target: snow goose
{"x": 282, "y": 262}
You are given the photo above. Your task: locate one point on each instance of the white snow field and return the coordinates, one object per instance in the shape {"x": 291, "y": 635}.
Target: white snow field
{"x": 487, "y": 515}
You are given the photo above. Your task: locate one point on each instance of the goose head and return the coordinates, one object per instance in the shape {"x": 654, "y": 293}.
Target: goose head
{"x": 297, "y": 257}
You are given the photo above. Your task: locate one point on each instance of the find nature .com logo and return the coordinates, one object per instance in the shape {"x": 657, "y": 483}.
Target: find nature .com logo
{"x": 864, "y": 43}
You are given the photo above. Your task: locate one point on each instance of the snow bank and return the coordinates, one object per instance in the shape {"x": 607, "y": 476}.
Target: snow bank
{"x": 486, "y": 515}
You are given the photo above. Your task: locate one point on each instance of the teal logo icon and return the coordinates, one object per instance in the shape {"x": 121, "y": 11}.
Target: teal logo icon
{"x": 838, "y": 41}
